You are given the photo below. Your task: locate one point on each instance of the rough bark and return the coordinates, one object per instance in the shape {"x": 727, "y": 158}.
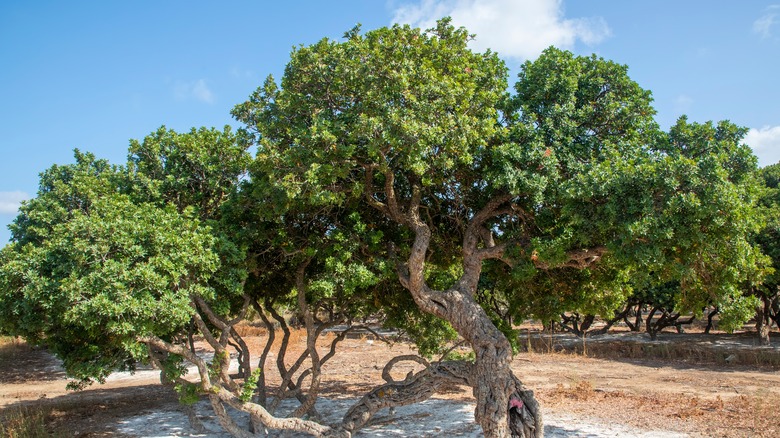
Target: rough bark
{"x": 496, "y": 389}
{"x": 419, "y": 386}
{"x": 310, "y": 398}
{"x": 413, "y": 389}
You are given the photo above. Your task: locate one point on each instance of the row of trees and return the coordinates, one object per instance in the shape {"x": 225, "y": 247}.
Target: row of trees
{"x": 395, "y": 179}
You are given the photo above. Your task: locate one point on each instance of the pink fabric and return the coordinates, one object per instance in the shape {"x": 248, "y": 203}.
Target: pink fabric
{"x": 515, "y": 403}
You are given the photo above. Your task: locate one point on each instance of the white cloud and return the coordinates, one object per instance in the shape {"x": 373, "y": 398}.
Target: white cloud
{"x": 765, "y": 143}
{"x": 519, "y": 29}
{"x": 10, "y": 201}
{"x": 197, "y": 90}
{"x": 763, "y": 26}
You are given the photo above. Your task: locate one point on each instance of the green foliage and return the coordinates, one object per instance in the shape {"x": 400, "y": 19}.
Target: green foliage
{"x": 429, "y": 333}
{"x": 199, "y": 169}
{"x": 173, "y": 367}
{"x": 215, "y": 366}
{"x": 769, "y": 236}
{"x": 456, "y": 355}
{"x": 88, "y": 271}
{"x": 248, "y": 389}
{"x": 576, "y": 147}
{"x": 735, "y": 311}
{"x": 420, "y": 103}
{"x": 189, "y": 393}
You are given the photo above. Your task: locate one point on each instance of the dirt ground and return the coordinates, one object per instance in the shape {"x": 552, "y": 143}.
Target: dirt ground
{"x": 690, "y": 397}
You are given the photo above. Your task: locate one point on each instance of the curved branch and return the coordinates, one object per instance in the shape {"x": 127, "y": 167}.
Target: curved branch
{"x": 414, "y": 389}
{"x": 408, "y": 357}
{"x": 311, "y": 343}
{"x": 473, "y": 256}
{"x": 217, "y": 391}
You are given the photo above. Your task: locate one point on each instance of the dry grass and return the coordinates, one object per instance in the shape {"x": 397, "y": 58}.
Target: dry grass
{"x": 737, "y": 416}
{"x": 251, "y": 329}
{"x": 29, "y": 421}
{"x": 579, "y": 391}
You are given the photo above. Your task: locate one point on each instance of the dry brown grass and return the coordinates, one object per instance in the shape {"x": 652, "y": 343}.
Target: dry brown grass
{"x": 738, "y": 416}
{"x": 28, "y": 421}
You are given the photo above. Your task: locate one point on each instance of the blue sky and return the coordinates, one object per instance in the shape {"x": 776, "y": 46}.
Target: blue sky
{"x": 94, "y": 74}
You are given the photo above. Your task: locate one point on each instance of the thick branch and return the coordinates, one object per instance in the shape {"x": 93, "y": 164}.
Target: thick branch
{"x": 369, "y": 192}
{"x": 231, "y": 399}
{"x": 473, "y": 255}
{"x": 414, "y": 389}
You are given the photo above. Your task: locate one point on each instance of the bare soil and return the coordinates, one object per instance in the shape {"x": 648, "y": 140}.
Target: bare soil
{"x": 693, "y": 396}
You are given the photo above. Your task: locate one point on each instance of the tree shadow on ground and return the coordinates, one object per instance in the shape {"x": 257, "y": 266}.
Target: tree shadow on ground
{"x": 20, "y": 362}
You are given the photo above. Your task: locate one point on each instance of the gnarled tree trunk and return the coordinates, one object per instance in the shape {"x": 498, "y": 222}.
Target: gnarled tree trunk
{"x": 504, "y": 407}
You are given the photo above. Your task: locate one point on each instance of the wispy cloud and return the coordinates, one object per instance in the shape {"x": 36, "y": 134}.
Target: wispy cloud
{"x": 763, "y": 26}
{"x": 197, "y": 90}
{"x": 10, "y": 201}
{"x": 765, "y": 143}
{"x": 519, "y": 29}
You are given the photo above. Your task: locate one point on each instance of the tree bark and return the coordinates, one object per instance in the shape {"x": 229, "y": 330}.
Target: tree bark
{"x": 414, "y": 388}
{"x": 495, "y": 387}
{"x": 504, "y": 407}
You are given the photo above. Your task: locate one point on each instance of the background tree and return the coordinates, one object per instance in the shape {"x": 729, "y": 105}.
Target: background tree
{"x": 768, "y": 309}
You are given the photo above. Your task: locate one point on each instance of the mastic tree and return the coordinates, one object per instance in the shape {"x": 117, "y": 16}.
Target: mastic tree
{"x": 689, "y": 209}
{"x": 568, "y": 182}
{"x": 400, "y": 119}
{"x": 88, "y": 271}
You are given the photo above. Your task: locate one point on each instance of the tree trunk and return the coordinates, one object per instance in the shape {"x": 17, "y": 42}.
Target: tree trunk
{"x": 650, "y": 327}
{"x": 710, "y": 322}
{"x": 763, "y": 323}
{"x": 504, "y": 407}
{"x": 638, "y": 318}
{"x": 495, "y": 387}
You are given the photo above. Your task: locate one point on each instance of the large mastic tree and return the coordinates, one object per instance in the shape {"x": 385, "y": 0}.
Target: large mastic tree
{"x": 568, "y": 182}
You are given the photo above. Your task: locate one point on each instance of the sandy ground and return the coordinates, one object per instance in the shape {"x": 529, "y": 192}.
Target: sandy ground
{"x": 581, "y": 396}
